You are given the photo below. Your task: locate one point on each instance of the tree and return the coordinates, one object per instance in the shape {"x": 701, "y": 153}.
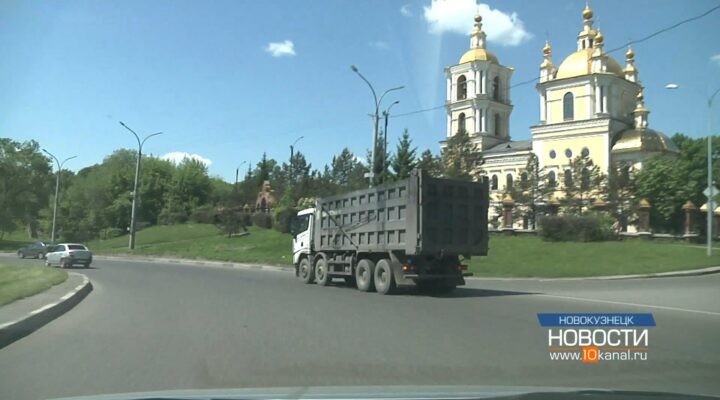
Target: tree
{"x": 189, "y": 188}
{"x": 531, "y": 189}
{"x": 461, "y": 158}
{"x": 404, "y": 160}
{"x": 582, "y": 179}
{"x": 26, "y": 180}
{"x": 430, "y": 163}
{"x": 621, "y": 192}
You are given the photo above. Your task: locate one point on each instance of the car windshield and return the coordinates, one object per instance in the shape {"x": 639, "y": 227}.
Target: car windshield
{"x": 402, "y": 194}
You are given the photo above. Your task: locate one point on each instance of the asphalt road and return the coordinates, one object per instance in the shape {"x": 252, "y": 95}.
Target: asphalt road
{"x": 153, "y": 326}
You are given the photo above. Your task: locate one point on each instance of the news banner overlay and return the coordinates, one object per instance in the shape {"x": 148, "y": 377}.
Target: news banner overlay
{"x": 592, "y": 338}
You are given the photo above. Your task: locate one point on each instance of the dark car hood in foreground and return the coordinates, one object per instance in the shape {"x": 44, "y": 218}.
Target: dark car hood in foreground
{"x": 397, "y": 393}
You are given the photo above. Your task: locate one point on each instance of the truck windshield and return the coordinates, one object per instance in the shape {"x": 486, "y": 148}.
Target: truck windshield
{"x": 303, "y": 221}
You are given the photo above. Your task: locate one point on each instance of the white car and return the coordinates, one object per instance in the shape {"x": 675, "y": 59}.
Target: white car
{"x": 66, "y": 255}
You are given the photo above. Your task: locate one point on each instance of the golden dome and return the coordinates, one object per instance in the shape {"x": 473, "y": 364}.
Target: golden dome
{"x": 587, "y": 12}
{"x": 645, "y": 140}
{"x": 640, "y": 96}
{"x": 547, "y": 49}
{"x": 478, "y": 18}
{"x": 599, "y": 38}
{"x": 630, "y": 54}
{"x": 578, "y": 64}
{"x": 478, "y": 55}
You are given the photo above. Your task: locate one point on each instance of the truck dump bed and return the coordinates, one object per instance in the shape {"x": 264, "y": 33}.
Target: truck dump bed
{"x": 418, "y": 215}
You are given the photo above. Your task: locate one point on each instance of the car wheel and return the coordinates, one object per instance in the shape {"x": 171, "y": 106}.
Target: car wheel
{"x": 40, "y": 256}
{"x": 47, "y": 263}
{"x": 384, "y": 279}
{"x": 21, "y": 254}
{"x": 364, "y": 275}
{"x": 86, "y": 265}
{"x": 64, "y": 263}
{"x": 321, "y": 272}
{"x": 305, "y": 271}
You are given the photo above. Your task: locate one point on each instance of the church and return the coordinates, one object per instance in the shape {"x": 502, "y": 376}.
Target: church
{"x": 589, "y": 105}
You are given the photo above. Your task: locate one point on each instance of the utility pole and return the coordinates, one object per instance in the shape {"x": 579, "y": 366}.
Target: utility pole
{"x": 292, "y": 155}
{"x": 386, "y": 114}
{"x": 376, "y": 121}
{"x": 57, "y": 189}
{"x": 135, "y": 199}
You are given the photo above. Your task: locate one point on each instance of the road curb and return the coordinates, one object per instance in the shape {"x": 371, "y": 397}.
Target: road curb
{"x": 34, "y": 320}
{"x": 669, "y": 274}
{"x": 250, "y": 266}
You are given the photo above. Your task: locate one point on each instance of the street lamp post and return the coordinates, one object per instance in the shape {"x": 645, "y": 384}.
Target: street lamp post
{"x": 386, "y": 114}
{"x": 376, "y": 121}
{"x": 135, "y": 201}
{"x": 292, "y": 154}
{"x": 57, "y": 189}
{"x": 711, "y": 186}
{"x": 237, "y": 172}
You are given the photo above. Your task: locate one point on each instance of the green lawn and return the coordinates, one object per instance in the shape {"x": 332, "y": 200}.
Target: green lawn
{"x": 19, "y": 282}
{"x": 529, "y": 256}
{"x": 522, "y": 256}
{"x": 204, "y": 242}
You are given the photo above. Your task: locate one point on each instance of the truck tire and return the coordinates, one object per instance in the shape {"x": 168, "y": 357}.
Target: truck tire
{"x": 21, "y": 254}
{"x": 321, "y": 272}
{"x": 305, "y": 271}
{"x": 364, "y": 275}
{"x": 384, "y": 278}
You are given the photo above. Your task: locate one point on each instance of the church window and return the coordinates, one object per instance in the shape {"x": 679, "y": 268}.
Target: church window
{"x": 494, "y": 182}
{"x": 568, "y": 107}
{"x": 585, "y": 152}
{"x": 553, "y": 154}
{"x": 523, "y": 177}
{"x": 585, "y": 178}
{"x": 551, "y": 179}
{"x": 568, "y": 178}
{"x": 508, "y": 181}
{"x": 568, "y": 153}
{"x": 462, "y": 88}
{"x": 496, "y": 89}
{"x": 497, "y": 124}
{"x": 461, "y": 123}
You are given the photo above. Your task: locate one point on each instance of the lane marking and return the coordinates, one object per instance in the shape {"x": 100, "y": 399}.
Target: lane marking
{"x": 630, "y": 304}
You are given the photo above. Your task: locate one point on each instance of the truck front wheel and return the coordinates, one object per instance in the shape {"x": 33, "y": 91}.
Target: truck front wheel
{"x": 384, "y": 279}
{"x": 305, "y": 271}
{"x": 364, "y": 275}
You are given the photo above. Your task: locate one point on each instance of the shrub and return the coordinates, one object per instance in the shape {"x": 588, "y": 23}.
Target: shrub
{"x": 110, "y": 233}
{"x": 172, "y": 218}
{"x": 282, "y": 217}
{"x": 229, "y": 221}
{"x": 262, "y": 220}
{"x": 204, "y": 215}
{"x": 570, "y": 228}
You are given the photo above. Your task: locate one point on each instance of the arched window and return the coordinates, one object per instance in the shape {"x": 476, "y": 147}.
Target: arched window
{"x": 585, "y": 182}
{"x": 585, "y": 152}
{"x": 551, "y": 179}
{"x": 523, "y": 177}
{"x": 508, "y": 181}
{"x": 494, "y": 183}
{"x": 568, "y": 110}
{"x": 496, "y": 89}
{"x": 461, "y": 87}
{"x": 497, "y": 124}
{"x": 568, "y": 178}
{"x": 461, "y": 122}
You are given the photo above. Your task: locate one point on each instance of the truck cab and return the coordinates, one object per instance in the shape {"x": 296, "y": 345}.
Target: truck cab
{"x": 301, "y": 228}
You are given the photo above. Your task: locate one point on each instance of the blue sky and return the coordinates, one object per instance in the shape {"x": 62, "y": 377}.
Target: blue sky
{"x": 204, "y": 72}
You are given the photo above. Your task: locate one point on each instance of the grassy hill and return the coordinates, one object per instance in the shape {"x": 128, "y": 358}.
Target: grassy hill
{"x": 509, "y": 256}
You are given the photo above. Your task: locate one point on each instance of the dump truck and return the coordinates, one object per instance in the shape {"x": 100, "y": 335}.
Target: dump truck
{"x": 416, "y": 231}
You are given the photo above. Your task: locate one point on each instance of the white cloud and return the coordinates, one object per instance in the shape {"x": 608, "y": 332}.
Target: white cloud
{"x": 406, "y": 11}
{"x": 715, "y": 59}
{"x": 379, "y": 44}
{"x": 178, "y": 156}
{"x": 281, "y": 49}
{"x": 456, "y": 16}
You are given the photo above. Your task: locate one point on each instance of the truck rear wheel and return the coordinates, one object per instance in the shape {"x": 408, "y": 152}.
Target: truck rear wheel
{"x": 305, "y": 271}
{"x": 321, "y": 272}
{"x": 364, "y": 275}
{"x": 384, "y": 279}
